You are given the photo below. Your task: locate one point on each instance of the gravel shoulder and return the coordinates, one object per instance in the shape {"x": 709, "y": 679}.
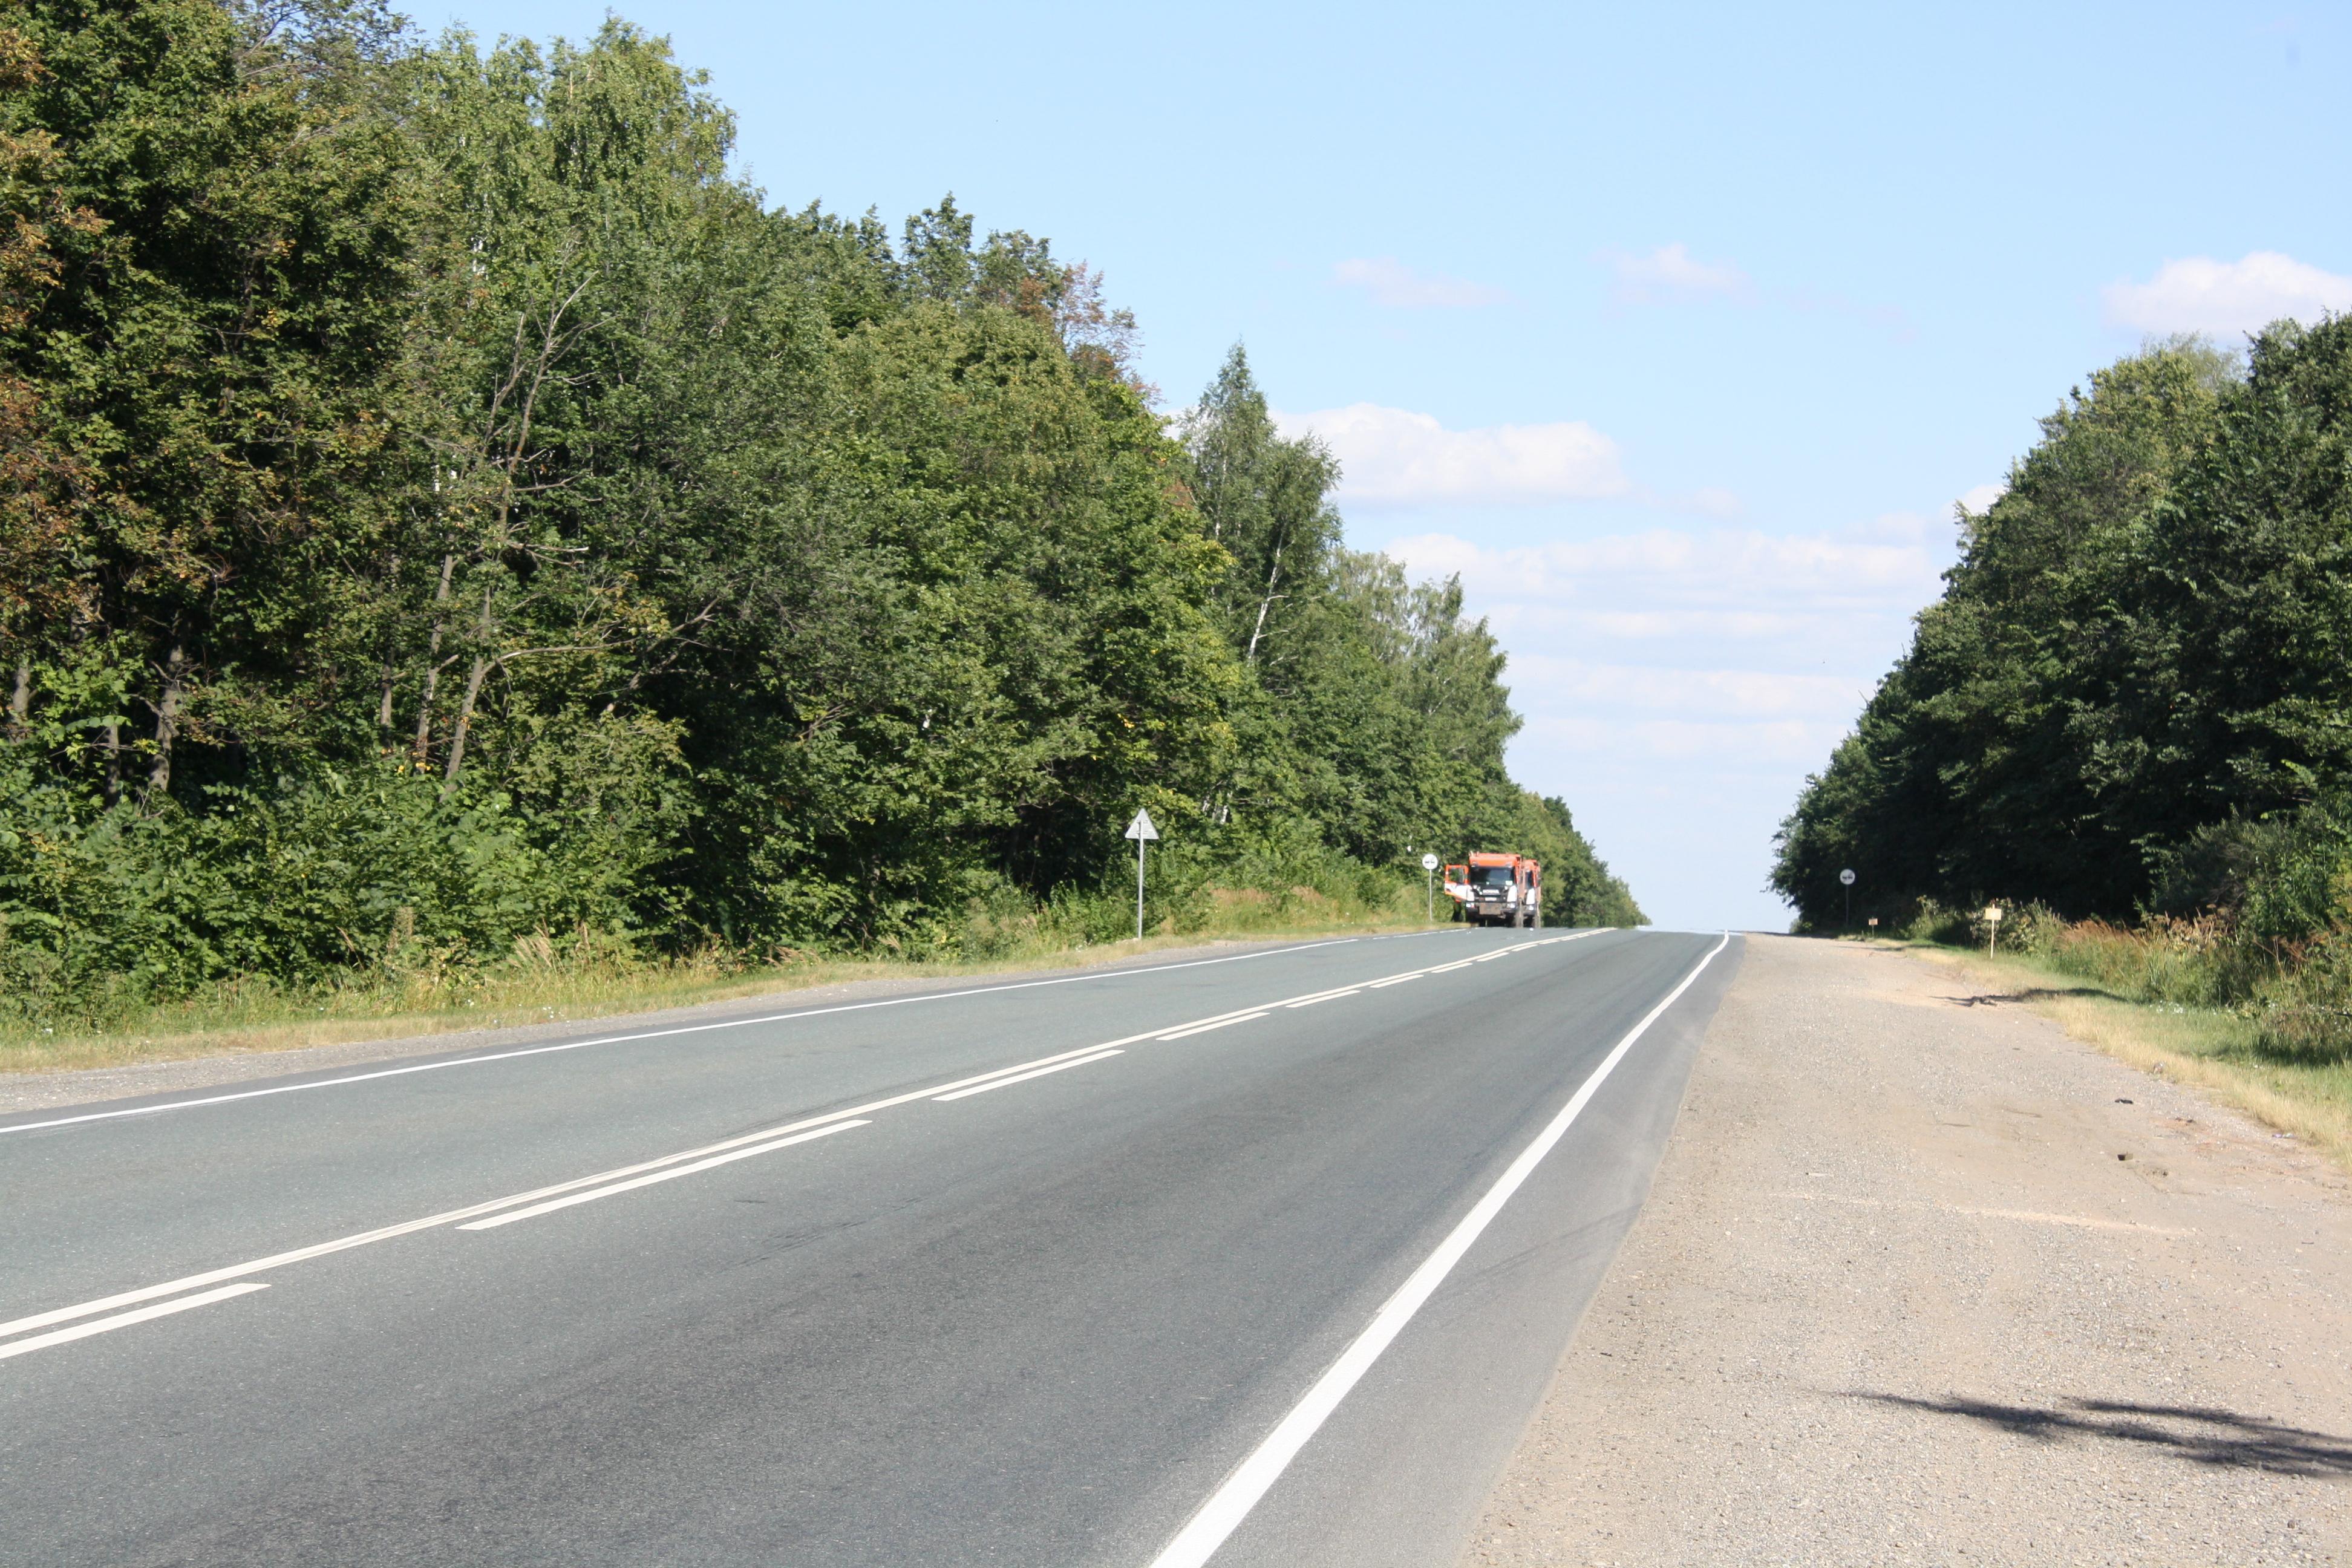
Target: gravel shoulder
{"x": 1923, "y": 1281}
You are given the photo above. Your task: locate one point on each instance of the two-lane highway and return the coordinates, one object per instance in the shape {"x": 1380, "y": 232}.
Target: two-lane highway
{"x": 1261, "y": 1259}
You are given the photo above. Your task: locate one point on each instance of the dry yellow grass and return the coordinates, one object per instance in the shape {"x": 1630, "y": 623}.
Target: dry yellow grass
{"x": 226, "y": 1024}
{"x": 2207, "y": 1050}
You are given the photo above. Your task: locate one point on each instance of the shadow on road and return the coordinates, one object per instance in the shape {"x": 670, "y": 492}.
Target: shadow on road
{"x": 2202, "y": 1434}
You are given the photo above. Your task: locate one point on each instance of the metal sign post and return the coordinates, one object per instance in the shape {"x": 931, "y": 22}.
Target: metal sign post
{"x": 1143, "y": 833}
{"x": 1429, "y": 874}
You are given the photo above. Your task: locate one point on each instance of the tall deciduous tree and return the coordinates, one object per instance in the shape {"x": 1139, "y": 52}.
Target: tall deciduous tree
{"x": 2143, "y": 641}
{"x": 442, "y": 505}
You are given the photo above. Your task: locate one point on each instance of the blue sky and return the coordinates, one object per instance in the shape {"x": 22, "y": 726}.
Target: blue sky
{"x": 1676, "y": 330}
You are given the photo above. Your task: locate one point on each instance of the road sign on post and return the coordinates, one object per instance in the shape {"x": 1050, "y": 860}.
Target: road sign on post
{"x": 1143, "y": 833}
{"x": 1993, "y": 927}
{"x": 1846, "y": 876}
{"x": 1429, "y": 874}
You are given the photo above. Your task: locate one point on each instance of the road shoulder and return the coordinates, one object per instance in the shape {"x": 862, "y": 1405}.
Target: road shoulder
{"x": 1921, "y": 1281}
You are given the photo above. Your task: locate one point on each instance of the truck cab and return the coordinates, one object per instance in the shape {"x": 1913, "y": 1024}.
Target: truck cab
{"x": 1498, "y": 889}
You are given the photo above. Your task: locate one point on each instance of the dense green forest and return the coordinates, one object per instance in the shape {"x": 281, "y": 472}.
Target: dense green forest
{"x": 2133, "y": 704}
{"x": 445, "y": 508}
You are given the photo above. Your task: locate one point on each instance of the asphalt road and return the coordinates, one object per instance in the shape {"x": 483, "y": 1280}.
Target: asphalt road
{"x": 1026, "y": 1273}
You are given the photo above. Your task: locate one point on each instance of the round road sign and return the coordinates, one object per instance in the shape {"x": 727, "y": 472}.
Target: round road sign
{"x": 1429, "y": 862}
{"x": 1846, "y": 876}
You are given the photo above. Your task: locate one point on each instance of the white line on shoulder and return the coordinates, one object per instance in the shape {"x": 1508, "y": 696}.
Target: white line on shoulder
{"x": 1231, "y": 1503}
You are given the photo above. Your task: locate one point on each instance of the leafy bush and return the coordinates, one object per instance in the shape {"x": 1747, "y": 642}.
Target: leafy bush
{"x": 296, "y": 885}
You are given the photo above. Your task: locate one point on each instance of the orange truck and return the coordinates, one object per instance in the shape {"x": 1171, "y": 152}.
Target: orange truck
{"x": 1497, "y": 890}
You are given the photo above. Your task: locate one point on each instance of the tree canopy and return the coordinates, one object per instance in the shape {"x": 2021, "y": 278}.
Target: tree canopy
{"x": 444, "y": 502}
{"x": 2138, "y": 662}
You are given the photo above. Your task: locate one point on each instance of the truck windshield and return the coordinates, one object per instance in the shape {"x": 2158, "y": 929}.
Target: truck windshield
{"x": 1490, "y": 876}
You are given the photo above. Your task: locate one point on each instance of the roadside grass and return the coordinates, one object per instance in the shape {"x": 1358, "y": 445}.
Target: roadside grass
{"x": 2214, "y": 1049}
{"x": 544, "y": 986}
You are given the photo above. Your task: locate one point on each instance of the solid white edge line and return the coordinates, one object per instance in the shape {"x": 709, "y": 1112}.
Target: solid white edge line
{"x": 1024, "y": 1078}
{"x": 124, "y": 1319}
{"x": 660, "y": 1035}
{"x": 629, "y": 1186}
{"x": 1231, "y": 1503}
{"x": 448, "y": 1216}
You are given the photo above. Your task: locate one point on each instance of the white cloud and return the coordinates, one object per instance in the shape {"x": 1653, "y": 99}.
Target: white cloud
{"x": 1982, "y": 496}
{"x": 1717, "y": 747}
{"x": 1741, "y": 696}
{"x": 1395, "y": 457}
{"x": 1734, "y": 584}
{"x": 1391, "y": 282}
{"x": 1671, "y": 271}
{"x": 2199, "y": 294}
